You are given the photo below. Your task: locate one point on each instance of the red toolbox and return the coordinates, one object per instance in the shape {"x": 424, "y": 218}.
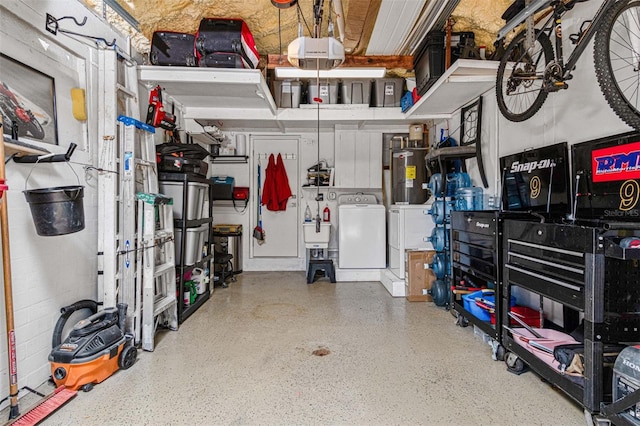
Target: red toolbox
{"x": 231, "y": 36}
{"x": 531, "y": 317}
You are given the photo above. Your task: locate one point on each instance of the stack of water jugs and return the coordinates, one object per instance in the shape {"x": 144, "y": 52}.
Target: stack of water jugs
{"x": 456, "y": 193}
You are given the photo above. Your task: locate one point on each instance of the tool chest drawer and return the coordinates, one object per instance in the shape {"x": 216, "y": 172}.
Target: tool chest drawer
{"x": 549, "y": 259}
{"x": 475, "y": 222}
{"x": 482, "y": 268}
{"x": 475, "y": 243}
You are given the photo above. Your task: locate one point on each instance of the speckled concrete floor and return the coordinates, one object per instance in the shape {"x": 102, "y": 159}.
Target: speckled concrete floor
{"x": 246, "y": 358}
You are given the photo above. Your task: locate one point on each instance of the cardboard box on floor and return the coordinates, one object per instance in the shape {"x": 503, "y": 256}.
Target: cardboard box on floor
{"x": 418, "y": 275}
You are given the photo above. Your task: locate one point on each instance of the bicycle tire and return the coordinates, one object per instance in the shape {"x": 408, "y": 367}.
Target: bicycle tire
{"x": 522, "y": 104}
{"x": 619, "y": 80}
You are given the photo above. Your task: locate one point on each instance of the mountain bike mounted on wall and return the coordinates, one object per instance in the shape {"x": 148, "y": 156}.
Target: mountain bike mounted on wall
{"x": 530, "y": 68}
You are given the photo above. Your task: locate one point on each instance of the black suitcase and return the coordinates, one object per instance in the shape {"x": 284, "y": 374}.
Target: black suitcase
{"x": 222, "y": 60}
{"x": 173, "y": 49}
{"x": 217, "y": 35}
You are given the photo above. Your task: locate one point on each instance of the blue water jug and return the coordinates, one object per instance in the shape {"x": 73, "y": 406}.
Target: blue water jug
{"x": 441, "y": 265}
{"x": 457, "y": 180}
{"x": 437, "y": 238}
{"x": 470, "y": 198}
{"x": 435, "y": 184}
{"x": 441, "y": 211}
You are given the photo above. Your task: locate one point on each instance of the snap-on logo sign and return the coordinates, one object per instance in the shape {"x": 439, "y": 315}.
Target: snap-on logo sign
{"x": 517, "y": 166}
{"x": 482, "y": 225}
{"x": 620, "y": 162}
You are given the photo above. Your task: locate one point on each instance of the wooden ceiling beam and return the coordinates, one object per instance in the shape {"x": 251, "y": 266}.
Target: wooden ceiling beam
{"x": 360, "y": 19}
{"x": 388, "y": 62}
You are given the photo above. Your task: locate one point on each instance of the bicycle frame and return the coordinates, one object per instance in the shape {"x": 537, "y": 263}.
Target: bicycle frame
{"x": 554, "y": 25}
{"x": 582, "y": 43}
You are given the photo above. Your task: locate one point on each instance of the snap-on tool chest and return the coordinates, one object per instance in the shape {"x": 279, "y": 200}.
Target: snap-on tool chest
{"x": 170, "y": 48}
{"x": 588, "y": 272}
{"x": 477, "y": 255}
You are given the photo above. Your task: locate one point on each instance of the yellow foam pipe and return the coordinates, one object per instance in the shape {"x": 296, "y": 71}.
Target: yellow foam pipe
{"x": 79, "y": 104}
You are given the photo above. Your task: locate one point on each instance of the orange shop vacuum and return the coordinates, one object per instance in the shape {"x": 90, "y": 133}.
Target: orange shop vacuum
{"x": 95, "y": 349}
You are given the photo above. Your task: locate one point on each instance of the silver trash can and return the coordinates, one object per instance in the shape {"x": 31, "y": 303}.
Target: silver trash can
{"x": 230, "y": 243}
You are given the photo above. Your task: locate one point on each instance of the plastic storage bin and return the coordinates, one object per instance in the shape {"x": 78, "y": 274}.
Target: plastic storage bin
{"x": 195, "y": 198}
{"x": 222, "y": 187}
{"x": 387, "y": 92}
{"x": 469, "y": 302}
{"x": 326, "y": 90}
{"x": 429, "y": 62}
{"x": 531, "y": 317}
{"x": 196, "y": 237}
{"x": 287, "y": 93}
{"x": 356, "y": 91}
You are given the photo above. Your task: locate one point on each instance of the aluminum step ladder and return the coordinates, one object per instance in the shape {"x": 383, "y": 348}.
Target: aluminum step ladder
{"x": 157, "y": 271}
{"x": 148, "y": 287}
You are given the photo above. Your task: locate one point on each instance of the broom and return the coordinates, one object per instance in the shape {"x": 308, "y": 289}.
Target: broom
{"x": 60, "y": 397}
{"x": 258, "y": 232}
{"x": 45, "y": 407}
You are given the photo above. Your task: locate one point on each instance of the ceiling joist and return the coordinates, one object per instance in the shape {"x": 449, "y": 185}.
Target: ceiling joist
{"x": 388, "y": 62}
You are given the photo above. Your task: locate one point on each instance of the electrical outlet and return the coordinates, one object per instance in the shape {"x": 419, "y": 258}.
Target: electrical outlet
{"x": 320, "y": 197}
{"x": 332, "y": 195}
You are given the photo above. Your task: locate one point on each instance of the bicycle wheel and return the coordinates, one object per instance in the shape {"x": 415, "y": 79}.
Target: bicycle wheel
{"x": 616, "y": 57}
{"x": 520, "y": 81}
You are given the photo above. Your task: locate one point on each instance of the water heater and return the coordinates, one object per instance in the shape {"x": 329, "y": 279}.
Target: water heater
{"x": 408, "y": 173}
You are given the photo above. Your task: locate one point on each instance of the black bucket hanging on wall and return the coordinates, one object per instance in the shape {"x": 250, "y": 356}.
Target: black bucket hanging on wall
{"x": 58, "y": 210}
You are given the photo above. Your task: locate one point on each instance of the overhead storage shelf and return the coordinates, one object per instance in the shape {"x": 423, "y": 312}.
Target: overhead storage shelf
{"x": 463, "y": 82}
{"x": 213, "y": 89}
{"x": 240, "y": 99}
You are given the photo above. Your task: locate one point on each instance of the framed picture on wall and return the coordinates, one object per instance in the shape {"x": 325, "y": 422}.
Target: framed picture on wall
{"x": 27, "y": 102}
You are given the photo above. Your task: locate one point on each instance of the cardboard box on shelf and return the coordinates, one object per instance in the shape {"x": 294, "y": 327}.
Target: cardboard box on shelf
{"x": 418, "y": 275}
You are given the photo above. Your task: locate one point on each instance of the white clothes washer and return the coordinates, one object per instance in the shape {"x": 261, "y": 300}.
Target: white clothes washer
{"x": 361, "y": 232}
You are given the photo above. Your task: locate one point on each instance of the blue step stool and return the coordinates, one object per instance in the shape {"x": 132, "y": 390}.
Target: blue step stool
{"x": 320, "y": 265}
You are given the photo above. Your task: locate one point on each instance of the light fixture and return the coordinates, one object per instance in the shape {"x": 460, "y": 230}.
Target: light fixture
{"x": 359, "y": 73}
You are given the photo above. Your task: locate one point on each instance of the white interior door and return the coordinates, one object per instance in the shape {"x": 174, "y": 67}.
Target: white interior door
{"x": 280, "y": 227}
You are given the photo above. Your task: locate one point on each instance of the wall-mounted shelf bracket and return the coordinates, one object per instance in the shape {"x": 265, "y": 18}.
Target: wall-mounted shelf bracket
{"x": 47, "y": 158}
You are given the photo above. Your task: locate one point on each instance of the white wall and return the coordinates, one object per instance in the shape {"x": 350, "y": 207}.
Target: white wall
{"x": 51, "y": 272}
{"x": 308, "y": 156}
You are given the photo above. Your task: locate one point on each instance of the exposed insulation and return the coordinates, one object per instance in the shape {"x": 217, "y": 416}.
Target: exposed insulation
{"x": 480, "y": 16}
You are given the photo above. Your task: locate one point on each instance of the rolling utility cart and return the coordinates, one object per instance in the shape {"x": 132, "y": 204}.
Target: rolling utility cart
{"x": 193, "y": 236}
{"x": 585, "y": 269}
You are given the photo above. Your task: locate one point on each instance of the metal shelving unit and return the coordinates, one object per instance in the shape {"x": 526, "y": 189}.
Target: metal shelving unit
{"x": 205, "y": 263}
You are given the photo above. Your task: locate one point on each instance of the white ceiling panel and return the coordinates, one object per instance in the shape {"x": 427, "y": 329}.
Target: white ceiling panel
{"x": 395, "y": 20}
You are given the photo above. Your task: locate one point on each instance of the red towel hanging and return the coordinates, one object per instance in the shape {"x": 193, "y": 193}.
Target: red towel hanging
{"x": 269, "y": 191}
{"x": 282, "y": 184}
{"x": 276, "y": 190}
